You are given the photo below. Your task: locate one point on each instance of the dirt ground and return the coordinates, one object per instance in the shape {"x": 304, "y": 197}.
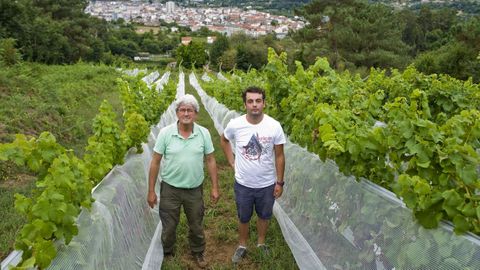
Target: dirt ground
{"x": 218, "y": 254}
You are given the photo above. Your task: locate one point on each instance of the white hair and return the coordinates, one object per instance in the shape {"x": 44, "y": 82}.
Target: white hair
{"x": 187, "y": 100}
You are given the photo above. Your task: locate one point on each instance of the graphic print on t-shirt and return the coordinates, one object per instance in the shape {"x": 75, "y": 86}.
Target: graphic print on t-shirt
{"x": 257, "y": 147}
{"x": 253, "y": 150}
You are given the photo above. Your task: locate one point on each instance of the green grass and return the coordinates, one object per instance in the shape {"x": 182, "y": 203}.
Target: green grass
{"x": 60, "y": 99}
{"x": 11, "y": 221}
{"x": 35, "y": 98}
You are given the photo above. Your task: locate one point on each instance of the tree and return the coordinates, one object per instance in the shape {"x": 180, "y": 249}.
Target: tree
{"x": 219, "y": 46}
{"x": 15, "y": 20}
{"x": 228, "y": 60}
{"x": 458, "y": 57}
{"x": 412, "y": 34}
{"x": 352, "y": 33}
{"x": 238, "y": 38}
{"x": 61, "y": 9}
{"x": 251, "y": 56}
{"x": 9, "y": 55}
{"x": 167, "y": 43}
{"x": 192, "y": 54}
{"x": 150, "y": 45}
{"x": 204, "y": 31}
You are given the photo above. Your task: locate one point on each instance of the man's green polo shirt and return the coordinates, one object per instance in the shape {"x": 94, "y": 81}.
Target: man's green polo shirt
{"x": 182, "y": 164}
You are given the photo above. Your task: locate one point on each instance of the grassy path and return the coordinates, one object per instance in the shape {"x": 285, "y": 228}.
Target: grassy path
{"x": 221, "y": 222}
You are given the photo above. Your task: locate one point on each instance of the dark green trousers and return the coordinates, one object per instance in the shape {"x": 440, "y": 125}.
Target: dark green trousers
{"x": 171, "y": 201}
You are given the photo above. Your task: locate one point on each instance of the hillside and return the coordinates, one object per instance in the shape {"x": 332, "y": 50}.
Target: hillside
{"x": 463, "y": 6}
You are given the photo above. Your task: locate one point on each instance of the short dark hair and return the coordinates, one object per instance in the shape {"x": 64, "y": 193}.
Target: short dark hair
{"x": 253, "y": 89}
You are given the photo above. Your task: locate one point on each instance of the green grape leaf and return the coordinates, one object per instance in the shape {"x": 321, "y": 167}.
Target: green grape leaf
{"x": 44, "y": 252}
{"x": 22, "y": 203}
{"x": 44, "y": 229}
{"x": 326, "y": 132}
{"x": 34, "y": 164}
{"x": 461, "y": 224}
{"x": 468, "y": 174}
{"x": 452, "y": 198}
{"x": 422, "y": 187}
{"x": 42, "y": 209}
{"x": 429, "y": 218}
{"x": 26, "y": 264}
{"x": 469, "y": 209}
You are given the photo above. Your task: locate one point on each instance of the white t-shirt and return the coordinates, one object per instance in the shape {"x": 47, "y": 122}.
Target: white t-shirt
{"x": 254, "y": 150}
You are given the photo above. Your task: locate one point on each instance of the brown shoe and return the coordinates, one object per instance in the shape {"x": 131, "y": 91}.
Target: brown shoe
{"x": 168, "y": 256}
{"x": 200, "y": 260}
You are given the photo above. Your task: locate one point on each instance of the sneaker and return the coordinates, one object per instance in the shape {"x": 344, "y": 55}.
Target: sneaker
{"x": 200, "y": 259}
{"x": 264, "y": 248}
{"x": 239, "y": 254}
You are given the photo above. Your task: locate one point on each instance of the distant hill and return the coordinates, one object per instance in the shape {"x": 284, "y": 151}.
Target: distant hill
{"x": 471, "y": 7}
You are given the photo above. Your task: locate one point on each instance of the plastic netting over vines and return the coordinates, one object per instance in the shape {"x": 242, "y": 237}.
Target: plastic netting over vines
{"x": 120, "y": 231}
{"x": 329, "y": 220}
{"x": 332, "y": 221}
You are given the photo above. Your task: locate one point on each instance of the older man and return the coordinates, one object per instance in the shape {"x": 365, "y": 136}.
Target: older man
{"x": 183, "y": 146}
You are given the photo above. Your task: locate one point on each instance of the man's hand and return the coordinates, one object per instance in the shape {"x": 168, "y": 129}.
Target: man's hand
{"x": 278, "y": 191}
{"x": 214, "y": 195}
{"x": 152, "y": 179}
{"x": 152, "y": 199}
{"x": 227, "y": 149}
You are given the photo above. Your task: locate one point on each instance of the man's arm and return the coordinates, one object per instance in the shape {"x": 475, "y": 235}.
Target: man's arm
{"x": 212, "y": 171}
{"x": 227, "y": 149}
{"x": 152, "y": 178}
{"x": 280, "y": 169}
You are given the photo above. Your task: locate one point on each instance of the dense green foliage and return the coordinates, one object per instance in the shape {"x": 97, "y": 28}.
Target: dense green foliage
{"x": 56, "y": 32}
{"x": 218, "y": 48}
{"x": 352, "y": 34}
{"x": 9, "y": 55}
{"x": 464, "y": 7}
{"x": 355, "y": 35}
{"x": 60, "y": 99}
{"x": 36, "y": 98}
{"x": 425, "y": 152}
{"x": 193, "y": 54}
{"x": 65, "y": 181}
{"x": 64, "y": 186}
{"x": 412, "y": 133}
{"x": 458, "y": 55}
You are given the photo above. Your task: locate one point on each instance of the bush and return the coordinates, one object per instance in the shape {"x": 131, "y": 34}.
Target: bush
{"x": 9, "y": 55}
